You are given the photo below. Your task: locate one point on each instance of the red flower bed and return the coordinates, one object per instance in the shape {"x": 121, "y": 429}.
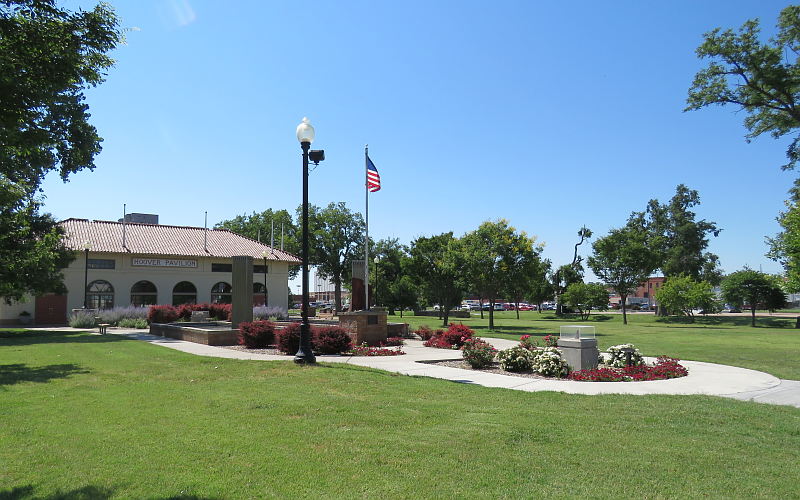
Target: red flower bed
{"x": 665, "y": 368}
{"x": 393, "y": 342}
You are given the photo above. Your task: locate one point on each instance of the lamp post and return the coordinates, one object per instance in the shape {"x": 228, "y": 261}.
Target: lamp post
{"x": 86, "y": 246}
{"x": 376, "y": 260}
{"x": 305, "y": 134}
{"x": 264, "y": 254}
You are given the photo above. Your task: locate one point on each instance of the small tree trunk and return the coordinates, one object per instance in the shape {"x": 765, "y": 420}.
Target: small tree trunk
{"x": 624, "y": 298}
{"x": 480, "y": 304}
{"x": 491, "y": 314}
{"x": 446, "y": 314}
{"x": 753, "y": 315}
{"x": 516, "y": 306}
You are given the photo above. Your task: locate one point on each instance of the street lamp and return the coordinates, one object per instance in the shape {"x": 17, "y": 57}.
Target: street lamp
{"x": 376, "y": 260}
{"x": 305, "y": 134}
{"x": 86, "y": 246}
{"x": 264, "y": 254}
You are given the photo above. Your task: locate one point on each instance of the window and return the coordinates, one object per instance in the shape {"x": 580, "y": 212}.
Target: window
{"x": 259, "y": 269}
{"x": 144, "y": 293}
{"x": 221, "y": 268}
{"x": 184, "y": 293}
{"x": 221, "y": 293}
{"x": 102, "y": 263}
{"x": 259, "y": 294}
{"x": 100, "y": 295}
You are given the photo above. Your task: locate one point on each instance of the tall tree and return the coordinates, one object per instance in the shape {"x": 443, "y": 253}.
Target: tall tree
{"x": 388, "y": 271}
{"x": 785, "y": 247}
{"x": 495, "y": 253}
{"x": 760, "y": 78}
{"x": 539, "y": 288}
{"x": 437, "y": 264}
{"x": 568, "y": 274}
{"x": 337, "y": 238}
{"x": 259, "y": 226}
{"x": 623, "y": 260}
{"x": 754, "y": 289}
{"x": 48, "y": 58}
{"x": 679, "y": 240}
{"x": 586, "y": 296}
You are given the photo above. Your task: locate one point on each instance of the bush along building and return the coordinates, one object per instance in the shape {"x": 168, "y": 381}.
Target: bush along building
{"x": 127, "y": 263}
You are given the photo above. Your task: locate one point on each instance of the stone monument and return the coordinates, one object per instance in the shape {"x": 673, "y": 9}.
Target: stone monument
{"x": 579, "y": 347}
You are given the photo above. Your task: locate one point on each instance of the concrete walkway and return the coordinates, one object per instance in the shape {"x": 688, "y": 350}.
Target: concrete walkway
{"x": 704, "y": 378}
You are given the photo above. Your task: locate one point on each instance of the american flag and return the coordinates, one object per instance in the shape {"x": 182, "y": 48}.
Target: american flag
{"x": 373, "y": 179}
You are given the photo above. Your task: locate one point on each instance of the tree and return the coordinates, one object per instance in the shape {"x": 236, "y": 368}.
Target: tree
{"x": 682, "y": 295}
{"x": 586, "y": 296}
{"x": 568, "y": 274}
{"x": 539, "y": 288}
{"x": 623, "y": 260}
{"x": 678, "y": 238}
{"x": 404, "y": 294}
{"x": 761, "y": 78}
{"x": 387, "y": 273}
{"x": 525, "y": 271}
{"x": 437, "y": 264}
{"x": 785, "y": 247}
{"x": 48, "y": 58}
{"x": 495, "y": 254}
{"x": 754, "y": 289}
{"x": 259, "y": 226}
{"x": 336, "y": 238}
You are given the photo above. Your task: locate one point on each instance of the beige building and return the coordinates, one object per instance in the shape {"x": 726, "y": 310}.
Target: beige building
{"x": 144, "y": 264}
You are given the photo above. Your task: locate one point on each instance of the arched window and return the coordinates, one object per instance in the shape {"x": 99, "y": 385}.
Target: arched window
{"x": 144, "y": 293}
{"x": 100, "y": 295}
{"x": 259, "y": 294}
{"x": 184, "y": 293}
{"x": 221, "y": 293}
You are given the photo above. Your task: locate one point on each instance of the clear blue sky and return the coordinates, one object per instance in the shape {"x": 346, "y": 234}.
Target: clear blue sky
{"x": 549, "y": 114}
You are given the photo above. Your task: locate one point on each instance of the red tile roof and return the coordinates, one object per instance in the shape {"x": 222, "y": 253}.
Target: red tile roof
{"x": 156, "y": 239}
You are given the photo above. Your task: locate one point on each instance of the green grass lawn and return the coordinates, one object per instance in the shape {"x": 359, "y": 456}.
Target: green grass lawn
{"x": 773, "y": 346}
{"x": 86, "y": 416}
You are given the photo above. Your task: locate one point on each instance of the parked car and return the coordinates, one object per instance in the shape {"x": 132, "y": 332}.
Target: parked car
{"x": 526, "y": 307}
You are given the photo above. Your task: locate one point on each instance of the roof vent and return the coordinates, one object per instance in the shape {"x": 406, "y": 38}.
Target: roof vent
{"x": 140, "y": 218}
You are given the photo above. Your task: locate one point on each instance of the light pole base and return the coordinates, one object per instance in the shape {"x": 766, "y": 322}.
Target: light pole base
{"x": 302, "y": 358}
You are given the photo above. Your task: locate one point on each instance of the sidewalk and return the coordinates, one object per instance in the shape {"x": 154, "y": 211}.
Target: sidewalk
{"x": 704, "y": 378}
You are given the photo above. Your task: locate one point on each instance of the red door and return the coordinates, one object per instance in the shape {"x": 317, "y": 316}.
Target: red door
{"x": 51, "y": 310}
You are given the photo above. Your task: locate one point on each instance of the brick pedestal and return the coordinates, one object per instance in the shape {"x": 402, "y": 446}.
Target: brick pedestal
{"x": 365, "y": 326}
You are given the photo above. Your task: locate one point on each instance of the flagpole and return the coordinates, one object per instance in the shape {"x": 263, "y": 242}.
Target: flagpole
{"x": 366, "y": 241}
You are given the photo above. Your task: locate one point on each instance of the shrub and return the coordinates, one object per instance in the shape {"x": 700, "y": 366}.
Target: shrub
{"x": 515, "y": 359}
{"x": 138, "y": 323}
{"x": 115, "y": 315}
{"x": 618, "y": 358}
{"x": 288, "y": 338}
{"x": 256, "y": 334}
{"x": 424, "y": 332}
{"x": 185, "y": 311}
{"x": 550, "y": 341}
{"x": 162, "y": 314}
{"x": 393, "y": 342}
{"x": 478, "y": 353}
{"x": 453, "y": 338}
{"x": 220, "y": 312}
{"x": 81, "y": 319}
{"x": 331, "y": 340}
{"x": 266, "y": 312}
{"x": 549, "y": 362}
{"x": 365, "y": 350}
{"x": 528, "y": 342}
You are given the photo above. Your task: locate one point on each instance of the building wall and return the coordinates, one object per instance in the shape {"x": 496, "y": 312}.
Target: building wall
{"x": 125, "y": 275}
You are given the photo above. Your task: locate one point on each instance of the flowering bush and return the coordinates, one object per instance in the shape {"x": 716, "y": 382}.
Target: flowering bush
{"x": 515, "y": 359}
{"x": 550, "y": 341}
{"x": 331, "y": 340}
{"x": 288, "y": 338}
{"x": 162, "y": 314}
{"x": 478, "y": 353}
{"x": 664, "y": 368}
{"x": 549, "y": 362}
{"x": 81, "y": 319}
{"x": 365, "y": 350}
{"x": 221, "y": 312}
{"x": 424, "y": 332}
{"x": 618, "y": 358}
{"x": 453, "y": 338}
{"x": 256, "y": 335}
{"x": 528, "y": 342}
{"x": 266, "y": 312}
{"x": 392, "y": 342}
